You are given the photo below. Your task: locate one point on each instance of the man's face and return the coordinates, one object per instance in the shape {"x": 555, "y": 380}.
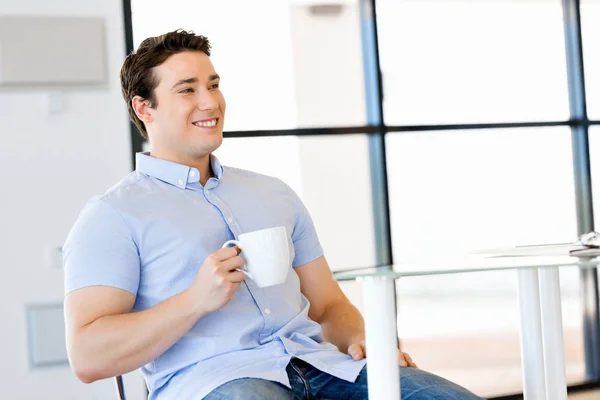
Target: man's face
{"x": 187, "y": 122}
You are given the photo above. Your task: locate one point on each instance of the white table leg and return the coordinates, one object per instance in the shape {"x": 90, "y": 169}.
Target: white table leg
{"x": 552, "y": 333}
{"x": 383, "y": 372}
{"x": 532, "y": 355}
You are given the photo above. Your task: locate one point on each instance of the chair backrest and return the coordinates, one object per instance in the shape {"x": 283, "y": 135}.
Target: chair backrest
{"x": 120, "y": 387}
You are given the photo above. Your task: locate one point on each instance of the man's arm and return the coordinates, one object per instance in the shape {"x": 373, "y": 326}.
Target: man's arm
{"x": 104, "y": 338}
{"x": 341, "y": 322}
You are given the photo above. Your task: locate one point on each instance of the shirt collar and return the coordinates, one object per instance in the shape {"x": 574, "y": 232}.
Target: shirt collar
{"x": 176, "y": 174}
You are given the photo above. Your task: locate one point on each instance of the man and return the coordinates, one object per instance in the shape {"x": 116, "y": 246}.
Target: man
{"x": 148, "y": 285}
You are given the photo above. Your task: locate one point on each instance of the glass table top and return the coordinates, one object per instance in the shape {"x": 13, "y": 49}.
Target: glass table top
{"x": 467, "y": 263}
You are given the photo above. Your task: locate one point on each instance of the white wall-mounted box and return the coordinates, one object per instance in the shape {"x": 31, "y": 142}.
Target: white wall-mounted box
{"x": 46, "y": 335}
{"x": 52, "y": 52}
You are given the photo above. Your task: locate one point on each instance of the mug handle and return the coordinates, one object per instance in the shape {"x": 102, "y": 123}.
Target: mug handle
{"x": 238, "y": 244}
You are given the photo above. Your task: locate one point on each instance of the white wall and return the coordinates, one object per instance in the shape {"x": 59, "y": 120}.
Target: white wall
{"x": 49, "y": 166}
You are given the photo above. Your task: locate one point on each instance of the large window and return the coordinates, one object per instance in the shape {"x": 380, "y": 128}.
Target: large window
{"x": 478, "y": 151}
{"x": 595, "y": 170}
{"x": 472, "y": 61}
{"x": 590, "y": 14}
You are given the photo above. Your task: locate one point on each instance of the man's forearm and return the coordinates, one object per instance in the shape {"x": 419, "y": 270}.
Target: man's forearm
{"x": 117, "y": 344}
{"x": 342, "y": 325}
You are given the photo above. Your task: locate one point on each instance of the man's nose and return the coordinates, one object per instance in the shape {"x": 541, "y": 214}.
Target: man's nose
{"x": 206, "y": 101}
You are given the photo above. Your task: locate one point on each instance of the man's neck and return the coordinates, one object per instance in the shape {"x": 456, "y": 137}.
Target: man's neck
{"x": 207, "y": 172}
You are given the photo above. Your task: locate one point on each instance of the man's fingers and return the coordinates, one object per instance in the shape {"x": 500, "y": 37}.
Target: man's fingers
{"x": 232, "y": 264}
{"x": 410, "y": 361}
{"x": 401, "y": 361}
{"x": 356, "y": 351}
{"x": 359, "y": 351}
{"x": 226, "y": 253}
{"x": 236, "y": 276}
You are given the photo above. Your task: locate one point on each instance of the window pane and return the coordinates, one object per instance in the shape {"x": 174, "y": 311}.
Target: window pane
{"x": 472, "y": 61}
{"x": 284, "y": 64}
{"x": 594, "y": 142}
{"x": 472, "y": 190}
{"x": 590, "y": 31}
{"x": 335, "y": 189}
{"x": 481, "y": 188}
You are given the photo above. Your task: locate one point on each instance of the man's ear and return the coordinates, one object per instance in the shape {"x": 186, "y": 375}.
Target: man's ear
{"x": 142, "y": 109}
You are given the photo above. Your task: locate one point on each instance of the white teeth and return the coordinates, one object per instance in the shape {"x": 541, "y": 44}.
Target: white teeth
{"x": 206, "y": 124}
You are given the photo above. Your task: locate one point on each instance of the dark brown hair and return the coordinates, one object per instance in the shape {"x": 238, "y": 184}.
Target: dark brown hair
{"x": 137, "y": 78}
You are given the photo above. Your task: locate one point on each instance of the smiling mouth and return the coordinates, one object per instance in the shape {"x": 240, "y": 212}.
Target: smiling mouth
{"x": 206, "y": 124}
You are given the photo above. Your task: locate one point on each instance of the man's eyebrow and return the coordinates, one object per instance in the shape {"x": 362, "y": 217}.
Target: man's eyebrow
{"x": 212, "y": 77}
{"x": 184, "y": 81}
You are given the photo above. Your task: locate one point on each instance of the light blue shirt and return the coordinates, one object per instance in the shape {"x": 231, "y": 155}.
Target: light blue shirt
{"x": 150, "y": 234}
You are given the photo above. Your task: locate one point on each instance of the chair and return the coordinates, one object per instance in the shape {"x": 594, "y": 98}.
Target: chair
{"x": 120, "y": 387}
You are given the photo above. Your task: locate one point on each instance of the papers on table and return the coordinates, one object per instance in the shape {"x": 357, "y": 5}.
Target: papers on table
{"x": 559, "y": 249}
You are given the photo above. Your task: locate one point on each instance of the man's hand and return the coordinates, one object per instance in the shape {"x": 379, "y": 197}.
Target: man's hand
{"x": 218, "y": 280}
{"x": 358, "y": 351}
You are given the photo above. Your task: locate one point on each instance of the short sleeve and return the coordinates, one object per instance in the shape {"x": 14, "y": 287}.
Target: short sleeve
{"x": 306, "y": 241}
{"x": 100, "y": 250}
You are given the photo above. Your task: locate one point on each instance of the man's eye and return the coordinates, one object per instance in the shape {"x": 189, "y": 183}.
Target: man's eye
{"x": 187, "y": 90}
{"x": 214, "y": 86}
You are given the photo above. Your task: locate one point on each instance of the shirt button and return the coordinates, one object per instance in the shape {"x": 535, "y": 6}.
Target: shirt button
{"x": 193, "y": 174}
{"x": 230, "y": 220}
{"x": 267, "y": 311}
{"x": 180, "y": 182}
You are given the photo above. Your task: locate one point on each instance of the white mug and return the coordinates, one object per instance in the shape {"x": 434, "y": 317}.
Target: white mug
{"x": 267, "y": 255}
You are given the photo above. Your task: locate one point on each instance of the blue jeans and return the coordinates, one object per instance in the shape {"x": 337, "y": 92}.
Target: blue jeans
{"x": 309, "y": 383}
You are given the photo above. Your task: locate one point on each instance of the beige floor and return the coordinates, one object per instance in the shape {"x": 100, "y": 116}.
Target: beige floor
{"x": 489, "y": 365}
{"x": 592, "y": 395}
